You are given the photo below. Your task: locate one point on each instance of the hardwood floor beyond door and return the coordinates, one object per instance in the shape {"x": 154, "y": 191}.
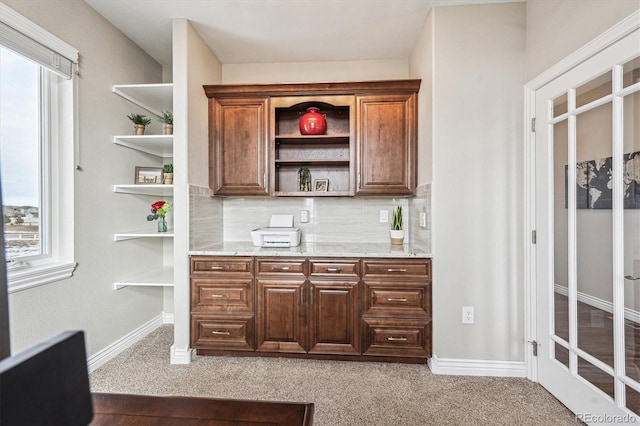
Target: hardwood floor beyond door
{"x": 595, "y": 336}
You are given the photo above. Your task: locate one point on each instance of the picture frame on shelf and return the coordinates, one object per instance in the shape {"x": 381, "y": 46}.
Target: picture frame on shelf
{"x": 321, "y": 185}
{"x": 148, "y": 175}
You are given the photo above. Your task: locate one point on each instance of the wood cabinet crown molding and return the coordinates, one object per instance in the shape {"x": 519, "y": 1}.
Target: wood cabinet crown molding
{"x": 293, "y": 89}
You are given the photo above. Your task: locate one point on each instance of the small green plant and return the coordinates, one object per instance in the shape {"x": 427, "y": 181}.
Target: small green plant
{"x": 397, "y": 219}
{"x": 166, "y": 117}
{"x": 167, "y": 168}
{"x": 139, "y": 119}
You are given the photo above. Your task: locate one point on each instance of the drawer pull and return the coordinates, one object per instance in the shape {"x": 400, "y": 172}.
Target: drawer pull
{"x": 218, "y": 268}
{"x": 223, "y": 333}
{"x": 396, "y": 270}
{"x": 280, "y": 268}
{"x": 220, "y": 296}
{"x": 396, "y": 299}
{"x": 397, "y": 339}
{"x": 334, "y": 270}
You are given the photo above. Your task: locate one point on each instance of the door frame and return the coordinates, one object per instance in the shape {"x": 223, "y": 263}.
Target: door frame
{"x": 603, "y": 41}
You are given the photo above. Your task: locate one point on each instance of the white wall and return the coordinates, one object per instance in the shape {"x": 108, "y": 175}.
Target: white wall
{"x": 478, "y": 70}
{"x": 193, "y": 66}
{"x": 557, "y": 28}
{"x": 87, "y": 301}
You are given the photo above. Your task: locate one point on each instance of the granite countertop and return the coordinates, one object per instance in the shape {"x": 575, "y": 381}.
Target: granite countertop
{"x": 325, "y": 249}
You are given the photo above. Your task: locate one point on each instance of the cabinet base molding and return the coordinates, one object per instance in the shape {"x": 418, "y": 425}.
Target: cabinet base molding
{"x": 474, "y": 367}
{"x": 327, "y": 357}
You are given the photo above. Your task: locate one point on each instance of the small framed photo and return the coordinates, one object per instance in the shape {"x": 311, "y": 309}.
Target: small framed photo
{"x": 148, "y": 175}
{"x": 321, "y": 185}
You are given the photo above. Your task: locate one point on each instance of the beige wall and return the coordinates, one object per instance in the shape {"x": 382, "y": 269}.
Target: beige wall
{"x": 556, "y": 28}
{"x": 421, "y": 66}
{"x": 303, "y": 72}
{"x": 87, "y": 301}
{"x": 478, "y": 76}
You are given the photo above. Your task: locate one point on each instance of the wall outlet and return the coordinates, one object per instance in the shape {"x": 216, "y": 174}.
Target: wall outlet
{"x": 304, "y": 216}
{"x": 467, "y": 315}
{"x": 384, "y": 216}
{"x": 423, "y": 219}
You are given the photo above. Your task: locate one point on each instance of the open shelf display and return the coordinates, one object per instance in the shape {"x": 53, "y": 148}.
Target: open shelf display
{"x": 155, "y": 189}
{"x": 158, "y": 277}
{"x": 158, "y": 145}
{"x": 329, "y": 156}
{"x": 154, "y": 98}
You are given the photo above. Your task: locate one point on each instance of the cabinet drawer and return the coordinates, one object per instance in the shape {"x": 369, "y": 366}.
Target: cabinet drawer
{"x": 222, "y": 332}
{"x": 397, "y": 268}
{"x": 404, "y": 299}
{"x": 221, "y": 265}
{"x": 333, "y": 267}
{"x": 281, "y": 266}
{"x": 396, "y": 337}
{"x": 223, "y": 295}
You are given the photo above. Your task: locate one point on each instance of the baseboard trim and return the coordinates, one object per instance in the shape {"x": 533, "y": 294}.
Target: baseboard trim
{"x": 168, "y": 317}
{"x": 596, "y": 302}
{"x": 472, "y": 367}
{"x": 182, "y": 355}
{"x": 107, "y": 354}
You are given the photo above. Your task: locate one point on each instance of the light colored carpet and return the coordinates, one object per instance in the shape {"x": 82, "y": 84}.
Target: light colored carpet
{"x": 344, "y": 393}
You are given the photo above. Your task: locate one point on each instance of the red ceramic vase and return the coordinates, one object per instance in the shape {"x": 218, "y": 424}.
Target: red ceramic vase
{"x": 313, "y": 123}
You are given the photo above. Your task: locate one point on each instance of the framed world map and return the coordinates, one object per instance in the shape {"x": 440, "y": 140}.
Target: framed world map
{"x": 593, "y": 183}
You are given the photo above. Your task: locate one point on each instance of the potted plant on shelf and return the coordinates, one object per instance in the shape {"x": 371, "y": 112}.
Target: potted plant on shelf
{"x": 167, "y": 122}
{"x": 139, "y": 123}
{"x": 397, "y": 233}
{"x": 167, "y": 174}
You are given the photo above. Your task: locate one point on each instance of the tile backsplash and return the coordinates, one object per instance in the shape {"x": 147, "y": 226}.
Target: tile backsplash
{"x": 331, "y": 219}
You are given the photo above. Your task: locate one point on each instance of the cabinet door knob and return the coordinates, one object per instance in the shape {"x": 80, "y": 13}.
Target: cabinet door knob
{"x": 217, "y": 268}
{"x": 224, "y": 333}
{"x": 334, "y": 270}
{"x": 396, "y": 270}
{"x": 632, "y": 278}
{"x": 396, "y": 299}
{"x": 397, "y": 339}
{"x": 220, "y": 296}
{"x": 280, "y": 268}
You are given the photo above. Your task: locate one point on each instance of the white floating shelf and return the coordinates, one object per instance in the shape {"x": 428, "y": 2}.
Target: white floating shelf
{"x": 159, "y": 145}
{"x": 155, "y": 98}
{"x": 158, "y": 277}
{"x": 122, "y": 236}
{"x": 155, "y": 189}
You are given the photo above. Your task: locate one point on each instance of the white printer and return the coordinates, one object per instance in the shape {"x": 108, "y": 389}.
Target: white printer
{"x": 279, "y": 233}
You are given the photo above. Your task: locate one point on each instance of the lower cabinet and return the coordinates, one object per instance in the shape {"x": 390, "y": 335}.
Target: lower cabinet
{"x": 364, "y": 309}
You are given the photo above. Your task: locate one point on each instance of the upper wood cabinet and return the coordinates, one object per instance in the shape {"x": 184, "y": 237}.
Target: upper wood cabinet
{"x": 238, "y": 132}
{"x": 369, "y": 147}
{"x": 386, "y": 144}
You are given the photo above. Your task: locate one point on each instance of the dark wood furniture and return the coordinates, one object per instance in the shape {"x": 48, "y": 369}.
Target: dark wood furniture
{"x": 366, "y": 309}
{"x": 118, "y": 409}
{"x": 369, "y": 148}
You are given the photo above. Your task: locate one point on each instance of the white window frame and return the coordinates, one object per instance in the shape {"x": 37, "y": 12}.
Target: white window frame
{"x": 59, "y": 186}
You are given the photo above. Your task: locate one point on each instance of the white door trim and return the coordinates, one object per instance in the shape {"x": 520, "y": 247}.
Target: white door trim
{"x": 604, "y": 40}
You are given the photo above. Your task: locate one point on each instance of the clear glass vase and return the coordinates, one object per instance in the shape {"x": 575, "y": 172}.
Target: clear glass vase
{"x": 162, "y": 224}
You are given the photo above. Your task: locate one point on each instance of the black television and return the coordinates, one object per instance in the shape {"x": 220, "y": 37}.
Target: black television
{"x": 47, "y": 384}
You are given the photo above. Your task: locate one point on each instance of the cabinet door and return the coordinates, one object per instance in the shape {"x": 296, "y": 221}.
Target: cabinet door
{"x": 281, "y": 315}
{"x": 334, "y": 317}
{"x": 238, "y": 146}
{"x": 386, "y": 144}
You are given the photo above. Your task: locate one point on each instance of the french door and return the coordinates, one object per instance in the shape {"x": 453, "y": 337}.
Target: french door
{"x": 586, "y": 213}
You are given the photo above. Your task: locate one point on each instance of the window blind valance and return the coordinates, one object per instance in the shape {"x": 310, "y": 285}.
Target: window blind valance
{"x": 29, "y": 40}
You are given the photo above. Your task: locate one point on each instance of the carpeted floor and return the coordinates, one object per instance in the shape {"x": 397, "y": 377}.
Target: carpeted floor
{"x": 344, "y": 393}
